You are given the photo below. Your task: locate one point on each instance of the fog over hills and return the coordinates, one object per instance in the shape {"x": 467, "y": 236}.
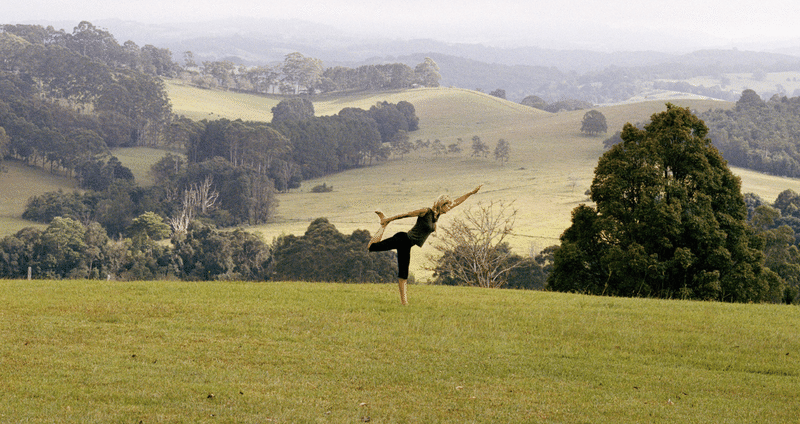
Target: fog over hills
{"x": 526, "y": 66}
{"x": 264, "y": 40}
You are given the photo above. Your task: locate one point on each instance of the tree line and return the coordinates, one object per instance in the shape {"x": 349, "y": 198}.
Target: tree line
{"x": 67, "y": 97}
{"x": 68, "y": 249}
{"x": 537, "y": 102}
{"x": 759, "y": 135}
{"x": 299, "y": 74}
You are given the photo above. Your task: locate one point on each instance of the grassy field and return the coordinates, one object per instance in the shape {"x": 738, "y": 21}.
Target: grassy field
{"x": 89, "y": 351}
{"x": 139, "y": 160}
{"x": 788, "y": 82}
{"x": 17, "y": 185}
{"x": 551, "y": 166}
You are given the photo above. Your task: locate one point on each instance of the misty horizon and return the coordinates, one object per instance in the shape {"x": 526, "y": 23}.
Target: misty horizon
{"x": 616, "y": 25}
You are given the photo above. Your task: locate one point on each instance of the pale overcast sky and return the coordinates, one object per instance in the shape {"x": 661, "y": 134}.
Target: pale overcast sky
{"x": 706, "y": 23}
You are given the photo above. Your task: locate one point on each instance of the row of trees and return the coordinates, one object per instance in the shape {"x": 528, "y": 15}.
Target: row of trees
{"x": 354, "y": 137}
{"x": 537, "y": 102}
{"x": 65, "y": 98}
{"x": 759, "y": 135}
{"x": 299, "y": 74}
{"x": 401, "y": 145}
{"x": 473, "y": 250}
{"x": 68, "y": 249}
{"x": 298, "y": 145}
{"x": 214, "y": 191}
{"x": 244, "y": 163}
{"x": 99, "y": 46}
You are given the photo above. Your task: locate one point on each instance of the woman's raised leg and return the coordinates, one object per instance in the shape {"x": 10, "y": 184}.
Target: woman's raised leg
{"x": 379, "y": 234}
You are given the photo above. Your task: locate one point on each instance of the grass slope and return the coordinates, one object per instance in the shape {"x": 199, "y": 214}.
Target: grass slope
{"x": 19, "y": 184}
{"x": 139, "y": 160}
{"x": 89, "y": 351}
{"x": 551, "y": 164}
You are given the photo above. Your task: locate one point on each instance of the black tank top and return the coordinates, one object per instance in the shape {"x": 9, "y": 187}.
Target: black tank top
{"x": 425, "y": 225}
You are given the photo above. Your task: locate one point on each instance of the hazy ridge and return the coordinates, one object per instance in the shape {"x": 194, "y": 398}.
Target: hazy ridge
{"x": 520, "y": 70}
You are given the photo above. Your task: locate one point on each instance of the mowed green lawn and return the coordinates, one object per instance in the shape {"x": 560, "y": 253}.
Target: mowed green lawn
{"x": 188, "y": 352}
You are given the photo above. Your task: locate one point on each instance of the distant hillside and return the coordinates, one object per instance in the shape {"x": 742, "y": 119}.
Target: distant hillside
{"x": 598, "y": 77}
{"x": 551, "y": 164}
{"x": 550, "y": 168}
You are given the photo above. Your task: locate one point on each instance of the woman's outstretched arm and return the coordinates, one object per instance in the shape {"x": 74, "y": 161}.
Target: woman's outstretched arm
{"x": 461, "y": 199}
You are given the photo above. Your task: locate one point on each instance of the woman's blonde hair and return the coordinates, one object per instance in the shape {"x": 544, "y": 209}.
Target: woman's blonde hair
{"x": 441, "y": 202}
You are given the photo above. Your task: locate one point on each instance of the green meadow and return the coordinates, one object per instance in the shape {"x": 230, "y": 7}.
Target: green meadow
{"x": 170, "y": 351}
{"x": 94, "y": 351}
{"x": 551, "y": 167}
{"x": 17, "y": 184}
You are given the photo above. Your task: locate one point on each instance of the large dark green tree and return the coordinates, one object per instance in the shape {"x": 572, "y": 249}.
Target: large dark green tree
{"x": 669, "y": 221}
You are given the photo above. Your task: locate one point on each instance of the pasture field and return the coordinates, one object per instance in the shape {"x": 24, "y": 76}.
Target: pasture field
{"x": 139, "y": 160}
{"x": 188, "y": 352}
{"x": 550, "y": 169}
{"x": 771, "y": 82}
{"x": 551, "y": 166}
{"x": 17, "y": 185}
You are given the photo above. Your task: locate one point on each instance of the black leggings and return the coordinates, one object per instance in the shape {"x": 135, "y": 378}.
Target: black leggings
{"x": 402, "y": 244}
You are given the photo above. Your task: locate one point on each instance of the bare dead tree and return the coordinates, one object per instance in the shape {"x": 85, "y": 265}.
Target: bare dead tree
{"x": 195, "y": 197}
{"x": 180, "y": 222}
{"x": 204, "y": 196}
{"x": 473, "y": 247}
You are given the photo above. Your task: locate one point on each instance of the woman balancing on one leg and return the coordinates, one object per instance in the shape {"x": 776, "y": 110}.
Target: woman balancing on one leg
{"x": 402, "y": 242}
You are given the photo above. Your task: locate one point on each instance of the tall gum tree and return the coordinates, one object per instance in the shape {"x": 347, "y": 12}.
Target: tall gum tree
{"x": 669, "y": 221}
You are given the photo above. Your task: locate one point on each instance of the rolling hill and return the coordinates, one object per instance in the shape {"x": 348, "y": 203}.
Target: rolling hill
{"x": 550, "y": 169}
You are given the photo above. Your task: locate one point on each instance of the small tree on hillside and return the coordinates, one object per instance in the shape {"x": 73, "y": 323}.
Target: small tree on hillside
{"x": 534, "y": 102}
{"x": 502, "y": 151}
{"x": 594, "y": 123}
{"x": 400, "y": 143}
{"x": 498, "y": 93}
{"x": 427, "y": 73}
{"x": 479, "y": 148}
